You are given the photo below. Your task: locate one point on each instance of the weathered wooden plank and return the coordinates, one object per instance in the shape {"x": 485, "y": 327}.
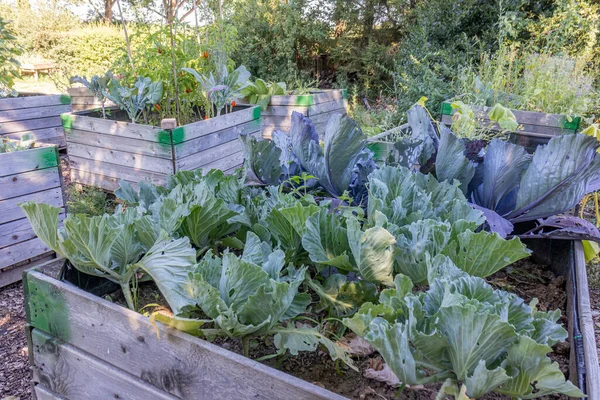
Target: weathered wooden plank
{"x": 524, "y": 129}
{"x": 586, "y": 324}
{"x": 327, "y": 107}
{"x": 31, "y": 124}
{"x": 14, "y": 273}
{"x": 187, "y": 367}
{"x": 118, "y": 128}
{"x": 33, "y": 113}
{"x": 292, "y": 100}
{"x": 233, "y": 161}
{"x": 28, "y": 160}
{"x": 74, "y": 374}
{"x": 284, "y": 111}
{"x": 206, "y": 142}
{"x": 22, "y": 252}
{"x": 113, "y": 142}
{"x": 242, "y": 115}
{"x": 28, "y": 182}
{"x": 115, "y": 170}
{"x": 11, "y": 210}
{"x": 33, "y": 101}
{"x": 324, "y": 117}
{"x": 123, "y": 158}
{"x": 276, "y": 120}
{"x": 89, "y": 100}
{"x": 104, "y": 182}
{"x": 79, "y": 92}
{"x": 200, "y": 159}
{"x": 329, "y": 95}
{"x": 43, "y": 393}
{"x": 18, "y": 231}
{"x": 526, "y": 117}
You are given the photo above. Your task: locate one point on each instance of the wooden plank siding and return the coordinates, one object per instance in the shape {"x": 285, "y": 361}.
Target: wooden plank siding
{"x": 26, "y": 175}
{"x": 77, "y": 335}
{"x": 103, "y": 151}
{"x": 318, "y": 106}
{"x": 535, "y": 128}
{"x": 82, "y": 99}
{"x": 37, "y": 115}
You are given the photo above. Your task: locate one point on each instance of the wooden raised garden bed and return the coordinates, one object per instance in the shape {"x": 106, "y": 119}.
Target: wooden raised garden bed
{"x": 317, "y": 106}
{"x": 78, "y": 340}
{"x": 26, "y": 175}
{"x": 84, "y": 347}
{"x": 38, "y": 115}
{"x": 102, "y": 151}
{"x": 82, "y": 99}
{"x": 535, "y": 128}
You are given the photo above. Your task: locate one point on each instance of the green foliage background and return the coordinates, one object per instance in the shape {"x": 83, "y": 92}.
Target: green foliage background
{"x": 390, "y": 52}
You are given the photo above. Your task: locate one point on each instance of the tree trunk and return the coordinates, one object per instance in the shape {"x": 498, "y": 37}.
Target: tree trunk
{"x": 108, "y": 13}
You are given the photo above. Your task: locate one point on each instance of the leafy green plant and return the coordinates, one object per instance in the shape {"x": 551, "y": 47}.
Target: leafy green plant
{"x": 467, "y": 124}
{"x": 508, "y": 185}
{"x": 137, "y": 99}
{"x": 10, "y": 145}
{"x": 463, "y": 331}
{"x": 260, "y": 92}
{"x": 118, "y": 247}
{"x": 223, "y": 87}
{"x": 98, "y": 85}
{"x": 9, "y": 65}
{"x": 530, "y": 81}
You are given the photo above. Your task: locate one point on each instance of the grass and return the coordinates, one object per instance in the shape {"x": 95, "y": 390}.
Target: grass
{"x": 89, "y": 201}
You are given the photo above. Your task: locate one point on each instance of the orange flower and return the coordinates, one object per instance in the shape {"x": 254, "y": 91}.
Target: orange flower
{"x": 188, "y": 90}
{"x": 205, "y": 54}
{"x": 233, "y": 103}
{"x": 206, "y": 117}
{"x": 157, "y": 106}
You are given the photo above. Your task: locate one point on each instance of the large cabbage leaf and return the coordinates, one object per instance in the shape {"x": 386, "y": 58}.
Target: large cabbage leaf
{"x": 463, "y": 331}
{"x": 557, "y": 178}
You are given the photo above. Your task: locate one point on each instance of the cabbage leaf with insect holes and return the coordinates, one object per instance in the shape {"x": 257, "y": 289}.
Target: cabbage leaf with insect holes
{"x": 256, "y": 294}
{"x": 463, "y": 331}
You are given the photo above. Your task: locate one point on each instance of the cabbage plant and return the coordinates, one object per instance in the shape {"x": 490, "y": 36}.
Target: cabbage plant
{"x": 508, "y": 185}
{"x": 255, "y": 295}
{"x": 98, "y": 85}
{"x": 120, "y": 247}
{"x": 463, "y": 332}
{"x": 135, "y": 100}
{"x": 340, "y": 166}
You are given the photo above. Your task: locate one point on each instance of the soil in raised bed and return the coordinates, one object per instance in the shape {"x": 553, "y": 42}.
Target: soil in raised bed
{"x": 525, "y": 278}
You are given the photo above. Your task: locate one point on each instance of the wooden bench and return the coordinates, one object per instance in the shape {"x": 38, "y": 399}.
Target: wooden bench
{"x": 35, "y": 69}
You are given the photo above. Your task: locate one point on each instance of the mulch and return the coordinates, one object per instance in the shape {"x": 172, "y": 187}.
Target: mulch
{"x": 15, "y": 374}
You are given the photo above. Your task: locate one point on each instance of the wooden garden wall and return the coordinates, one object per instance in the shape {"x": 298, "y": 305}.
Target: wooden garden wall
{"x": 38, "y": 115}
{"x": 84, "y": 347}
{"x": 535, "y": 128}
{"x": 82, "y": 99}
{"x": 317, "y": 106}
{"x": 102, "y": 152}
{"x": 27, "y": 175}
